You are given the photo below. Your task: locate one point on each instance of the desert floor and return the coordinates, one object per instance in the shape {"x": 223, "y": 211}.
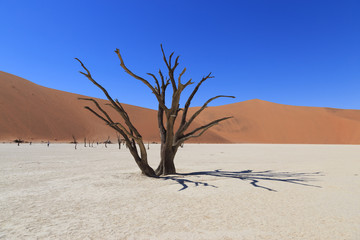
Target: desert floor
{"x": 235, "y": 191}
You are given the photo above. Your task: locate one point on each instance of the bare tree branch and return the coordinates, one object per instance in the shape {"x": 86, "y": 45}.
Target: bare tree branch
{"x": 117, "y": 106}
{"x": 188, "y": 83}
{"x": 162, "y": 78}
{"x": 88, "y": 75}
{"x": 185, "y": 126}
{"x": 171, "y": 70}
{"x": 98, "y": 115}
{"x": 98, "y": 106}
{"x": 176, "y": 63}
{"x": 188, "y": 102}
{"x": 130, "y": 132}
{"x": 122, "y": 64}
{"x": 130, "y": 143}
{"x": 156, "y": 81}
{"x": 109, "y": 121}
{"x": 203, "y": 129}
{"x": 124, "y": 112}
{"x": 180, "y": 75}
{"x": 170, "y": 59}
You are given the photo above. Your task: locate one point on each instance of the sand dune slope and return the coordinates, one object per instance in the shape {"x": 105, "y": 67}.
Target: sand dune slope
{"x": 257, "y": 121}
{"x": 33, "y": 113}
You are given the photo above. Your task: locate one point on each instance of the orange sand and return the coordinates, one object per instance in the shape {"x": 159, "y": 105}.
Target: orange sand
{"x": 35, "y": 113}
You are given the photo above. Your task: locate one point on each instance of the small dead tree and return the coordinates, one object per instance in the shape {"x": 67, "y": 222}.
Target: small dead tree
{"x": 119, "y": 140}
{"x": 74, "y": 141}
{"x": 107, "y": 141}
{"x": 171, "y": 138}
{"x": 18, "y": 141}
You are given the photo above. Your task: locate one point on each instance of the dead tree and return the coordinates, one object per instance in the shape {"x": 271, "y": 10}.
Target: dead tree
{"x": 74, "y": 141}
{"x": 18, "y": 141}
{"x": 171, "y": 138}
{"x": 119, "y": 140}
{"x": 107, "y": 141}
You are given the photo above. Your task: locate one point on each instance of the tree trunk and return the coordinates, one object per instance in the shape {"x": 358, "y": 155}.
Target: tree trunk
{"x": 166, "y": 165}
{"x": 146, "y": 169}
{"x": 142, "y": 161}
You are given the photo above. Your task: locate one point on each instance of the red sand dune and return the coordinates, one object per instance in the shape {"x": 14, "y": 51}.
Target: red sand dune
{"x": 35, "y": 113}
{"x": 257, "y": 121}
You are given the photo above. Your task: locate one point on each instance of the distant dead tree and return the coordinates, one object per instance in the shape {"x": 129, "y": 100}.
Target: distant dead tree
{"x": 18, "y": 141}
{"x": 119, "y": 140}
{"x": 171, "y": 138}
{"x": 74, "y": 141}
{"x": 107, "y": 141}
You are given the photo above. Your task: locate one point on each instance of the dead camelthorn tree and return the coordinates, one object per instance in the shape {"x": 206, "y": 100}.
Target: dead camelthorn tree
{"x": 171, "y": 138}
{"x": 74, "y": 141}
{"x": 119, "y": 140}
{"x": 107, "y": 141}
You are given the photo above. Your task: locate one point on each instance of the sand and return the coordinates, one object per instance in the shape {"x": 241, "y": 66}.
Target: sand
{"x": 247, "y": 191}
{"x": 35, "y": 113}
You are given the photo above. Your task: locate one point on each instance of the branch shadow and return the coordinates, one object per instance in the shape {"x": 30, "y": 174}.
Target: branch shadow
{"x": 255, "y": 178}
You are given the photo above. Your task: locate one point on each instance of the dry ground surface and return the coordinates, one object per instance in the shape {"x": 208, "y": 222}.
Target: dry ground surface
{"x": 235, "y": 191}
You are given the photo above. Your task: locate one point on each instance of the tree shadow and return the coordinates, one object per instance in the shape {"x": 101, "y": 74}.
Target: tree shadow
{"x": 256, "y": 179}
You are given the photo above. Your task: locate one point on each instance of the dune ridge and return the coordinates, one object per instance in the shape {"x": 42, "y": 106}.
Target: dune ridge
{"x": 35, "y": 113}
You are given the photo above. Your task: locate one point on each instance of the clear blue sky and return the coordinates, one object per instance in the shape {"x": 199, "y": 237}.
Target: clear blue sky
{"x": 297, "y": 52}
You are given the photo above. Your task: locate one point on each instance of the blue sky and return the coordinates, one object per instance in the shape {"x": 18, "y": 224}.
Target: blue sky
{"x": 296, "y": 52}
